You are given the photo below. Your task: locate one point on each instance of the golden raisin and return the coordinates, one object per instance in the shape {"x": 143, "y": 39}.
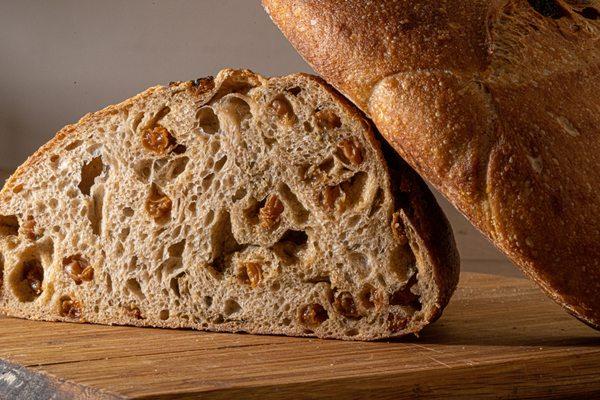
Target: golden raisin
{"x": 327, "y": 119}
{"x": 157, "y": 139}
{"x": 251, "y": 273}
{"x": 133, "y": 311}
{"x": 78, "y": 269}
{"x": 345, "y": 305}
{"x": 313, "y": 315}
{"x": 396, "y": 323}
{"x": 69, "y": 307}
{"x": 33, "y": 275}
{"x": 283, "y": 110}
{"x": 28, "y": 229}
{"x": 398, "y": 229}
{"x": 351, "y": 150}
{"x": 158, "y": 205}
{"x": 269, "y": 214}
{"x": 329, "y": 196}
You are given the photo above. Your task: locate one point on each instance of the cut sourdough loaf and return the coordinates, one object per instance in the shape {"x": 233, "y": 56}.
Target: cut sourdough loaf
{"x": 230, "y": 204}
{"x": 495, "y": 102}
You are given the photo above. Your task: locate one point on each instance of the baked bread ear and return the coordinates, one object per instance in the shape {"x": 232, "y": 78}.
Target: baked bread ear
{"x": 496, "y": 103}
{"x": 230, "y": 204}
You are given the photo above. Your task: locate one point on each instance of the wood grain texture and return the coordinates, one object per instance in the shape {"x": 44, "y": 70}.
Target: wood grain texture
{"x": 500, "y": 337}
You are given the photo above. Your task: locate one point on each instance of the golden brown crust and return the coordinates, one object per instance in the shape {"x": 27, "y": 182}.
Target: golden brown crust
{"x": 421, "y": 214}
{"x": 493, "y": 101}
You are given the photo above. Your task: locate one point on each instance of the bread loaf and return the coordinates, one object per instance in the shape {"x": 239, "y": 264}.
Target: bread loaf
{"x": 230, "y": 204}
{"x": 494, "y": 102}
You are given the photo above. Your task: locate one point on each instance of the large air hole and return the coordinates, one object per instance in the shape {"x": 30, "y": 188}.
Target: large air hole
{"x": 231, "y": 307}
{"x": 207, "y": 181}
{"x": 132, "y": 286}
{"x": 354, "y": 188}
{"x": 293, "y": 205}
{"x": 109, "y": 284}
{"x": 222, "y": 240}
{"x": 405, "y": 296}
{"x": 95, "y": 208}
{"x": 377, "y": 202}
{"x": 27, "y": 279}
{"x": 136, "y": 120}
{"x": 89, "y": 172}
{"x": 283, "y": 110}
{"x": 251, "y": 212}
{"x": 290, "y": 245}
{"x": 369, "y": 297}
{"x": 177, "y": 285}
{"x": 143, "y": 170}
{"x": 239, "y": 194}
{"x": 327, "y": 165}
{"x": 177, "y": 249}
{"x": 73, "y": 145}
{"x": 220, "y": 164}
{"x": 327, "y": 119}
{"x": 207, "y": 120}
{"x": 163, "y": 315}
{"x": 9, "y": 225}
{"x": 176, "y": 168}
{"x": 549, "y": 8}
{"x": 590, "y": 13}
{"x": 233, "y": 112}
{"x": 295, "y": 90}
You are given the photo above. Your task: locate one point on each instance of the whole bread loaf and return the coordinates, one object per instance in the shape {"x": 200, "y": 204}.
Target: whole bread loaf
{"x": 230, "y": 204}
{"x": 495, "y": 102}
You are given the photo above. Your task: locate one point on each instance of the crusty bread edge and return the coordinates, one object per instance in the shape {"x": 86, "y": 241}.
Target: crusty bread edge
{"x": 431, "y": 235}
{"x": 362, "y": 100}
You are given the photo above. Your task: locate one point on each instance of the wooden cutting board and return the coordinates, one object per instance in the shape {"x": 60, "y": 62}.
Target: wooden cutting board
{"x": 500, "y": 337}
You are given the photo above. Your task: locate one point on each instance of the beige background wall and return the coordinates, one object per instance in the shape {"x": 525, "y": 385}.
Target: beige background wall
{"x": 62, "y": 58}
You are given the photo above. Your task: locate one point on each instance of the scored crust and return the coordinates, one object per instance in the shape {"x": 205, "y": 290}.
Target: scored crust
{"x": 495, "y": 102}
{"x": 237, "y": 203}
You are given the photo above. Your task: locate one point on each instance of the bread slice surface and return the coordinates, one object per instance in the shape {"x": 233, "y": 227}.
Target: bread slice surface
{"x": 493, "y": 102}
{"x": 237, "y": 203}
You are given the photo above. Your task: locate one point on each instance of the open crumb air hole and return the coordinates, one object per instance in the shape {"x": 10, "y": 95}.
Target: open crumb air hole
{"x": 549, "y": 8}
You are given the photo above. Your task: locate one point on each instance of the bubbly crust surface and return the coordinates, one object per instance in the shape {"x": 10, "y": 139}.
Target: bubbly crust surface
{"x": 495, "y": 102}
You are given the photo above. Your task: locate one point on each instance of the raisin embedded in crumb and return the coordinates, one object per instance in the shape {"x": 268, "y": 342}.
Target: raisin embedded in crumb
{"x": 269, "y": 215}
{"x": 70, "y": 308}
{"x": 250, "y": 273}
{"x": 312, "y": 315}
{"x": 157, "y": 139}
{"x": 133, "y": 311}
{"x": 78, "y": 269}
{"x": 396, "y": 323}
{"x": 345, "y": 305}
{"x": 158, "y": 205}
{"x": 28, "y": 229}
{"x": 33, "y": 275}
